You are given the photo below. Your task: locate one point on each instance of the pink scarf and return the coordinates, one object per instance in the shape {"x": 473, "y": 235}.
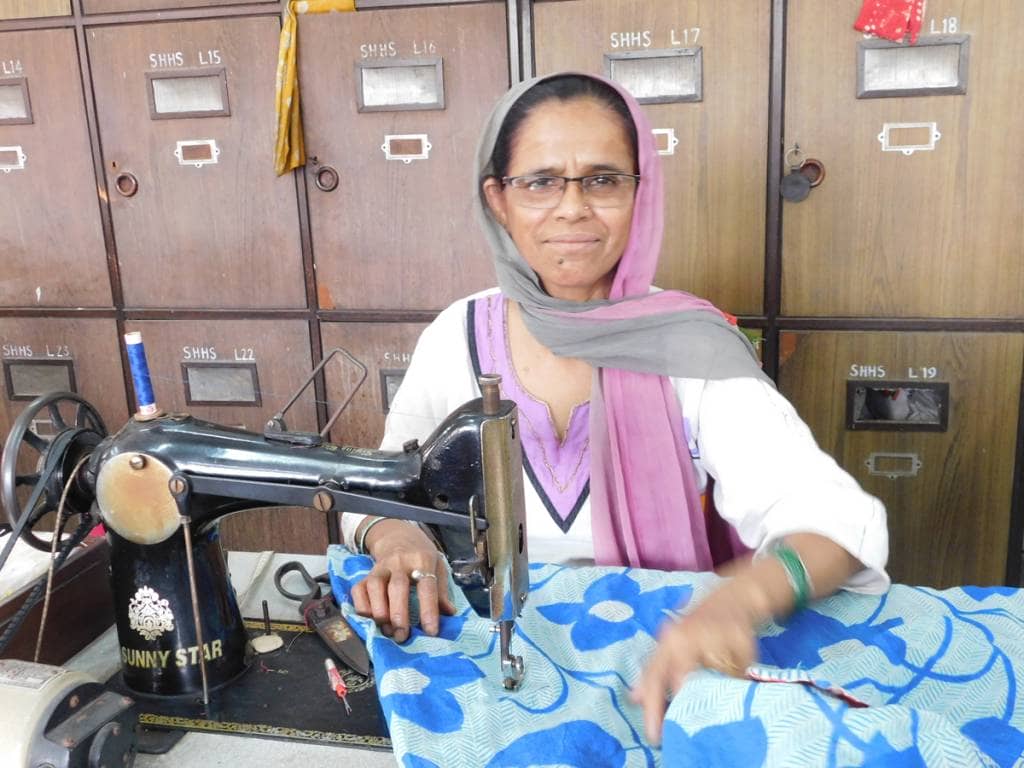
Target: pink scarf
{"x": 645, "y": 504}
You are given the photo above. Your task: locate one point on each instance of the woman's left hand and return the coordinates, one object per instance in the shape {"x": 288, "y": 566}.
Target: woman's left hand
{"x": 720, "y": 634}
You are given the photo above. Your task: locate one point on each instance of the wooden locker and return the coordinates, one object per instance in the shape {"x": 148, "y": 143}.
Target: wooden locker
{"x": 43, "y": 355}
{"x": 386, "y": 350}
{"x": 24, "y": 9}
{"x": 715, "y": 162}
{"x": 51, "y": 239}
{"x": 391, "y": 164}
{"x": 116, "y": 6}
{"x": 239, "y": 373}
{"x": 947, "y": 486}
{"x": 186, "y": 113}
{"x": 932, "y": 233}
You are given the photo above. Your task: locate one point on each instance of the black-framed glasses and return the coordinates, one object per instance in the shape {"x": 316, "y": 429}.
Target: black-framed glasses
{"x": 600, "y": 190}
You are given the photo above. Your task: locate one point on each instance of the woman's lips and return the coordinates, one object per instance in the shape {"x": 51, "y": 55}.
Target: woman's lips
{"x": 573, "y": 243}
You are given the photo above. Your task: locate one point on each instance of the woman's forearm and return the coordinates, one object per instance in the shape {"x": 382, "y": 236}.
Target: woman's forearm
{"x": 766, "y": 589}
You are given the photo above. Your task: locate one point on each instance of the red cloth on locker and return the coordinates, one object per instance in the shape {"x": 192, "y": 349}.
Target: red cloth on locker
{"x": 891, "y": 19}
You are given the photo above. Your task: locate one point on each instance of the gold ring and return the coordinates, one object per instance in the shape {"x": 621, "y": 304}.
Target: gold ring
{"x": 417, "y": 575}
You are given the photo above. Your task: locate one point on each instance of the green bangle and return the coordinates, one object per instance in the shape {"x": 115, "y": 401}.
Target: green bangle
{"x": 796, "y": 574}
{"x": 361, "y": 540}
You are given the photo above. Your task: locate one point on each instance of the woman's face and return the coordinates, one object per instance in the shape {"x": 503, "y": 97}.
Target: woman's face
{"x": 572, "y": 247}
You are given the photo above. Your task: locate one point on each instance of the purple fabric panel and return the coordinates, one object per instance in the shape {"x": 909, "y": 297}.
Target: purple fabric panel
{"x": 560, "y": 467}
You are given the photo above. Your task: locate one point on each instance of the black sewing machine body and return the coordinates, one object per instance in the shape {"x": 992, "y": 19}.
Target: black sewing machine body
{"x": 162, "y": 485}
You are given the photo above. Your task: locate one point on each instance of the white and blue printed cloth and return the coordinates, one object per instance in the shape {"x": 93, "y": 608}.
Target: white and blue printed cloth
{"x": 940, "y": 672}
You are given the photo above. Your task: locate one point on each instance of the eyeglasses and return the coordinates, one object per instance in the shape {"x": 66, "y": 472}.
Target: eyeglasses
{"x": 600, "y": 190}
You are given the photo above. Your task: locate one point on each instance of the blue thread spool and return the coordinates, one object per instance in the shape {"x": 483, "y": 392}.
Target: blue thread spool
{"x": 140, "y": 375}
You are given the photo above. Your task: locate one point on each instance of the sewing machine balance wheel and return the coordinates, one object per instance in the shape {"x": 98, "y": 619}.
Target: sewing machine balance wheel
{"x": 36, "y": 467}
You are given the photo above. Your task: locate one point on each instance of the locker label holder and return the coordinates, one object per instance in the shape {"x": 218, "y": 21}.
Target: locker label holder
{"x": 26, "y": 379}
{"x": 893, "y": 465}
{"x": 221, "y": 384}
{"x": 897, "y": 406}
{"x": 197, "y": 152}
{"x": 666, "y": 141}
{"x": 15, "y": 106}
{"x": 12, "y": 159}
{"x": 928, "y": 132}
{"x": 400, "y": 85}
{"x": 406, "y": 147}
{"x": 936, "y": 65}
{"x": 659, "y": 76}
{"x": 188, "y": 93}
{"x": 390, "y": 380}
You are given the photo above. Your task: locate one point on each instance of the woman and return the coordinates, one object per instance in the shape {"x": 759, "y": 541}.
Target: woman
{"x": 632, "y": 400}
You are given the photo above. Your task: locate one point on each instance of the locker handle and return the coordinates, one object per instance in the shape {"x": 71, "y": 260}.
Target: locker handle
{"x": 126, "y": 184}
{"x": 325, "y": 178}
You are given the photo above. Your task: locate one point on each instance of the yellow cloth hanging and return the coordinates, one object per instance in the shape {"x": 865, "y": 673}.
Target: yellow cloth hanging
{"x": 290, "y": 151}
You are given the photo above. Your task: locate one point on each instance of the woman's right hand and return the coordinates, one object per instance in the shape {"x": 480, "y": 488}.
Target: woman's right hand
{"x": 400, "y": 549}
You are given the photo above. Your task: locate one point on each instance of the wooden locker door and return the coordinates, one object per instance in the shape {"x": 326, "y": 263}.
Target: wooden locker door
{"x": 192, "y": 363}
{"x": 42, "y": 355}
{"x": 715, "y": 178}
{"x": 23, "y": 9}
{"x": 51, "y": 240}
{"x": 949, "y": 515}
{"x": 276, "y": 351}
{"x": 385, "y": 349}
{"x": 935, "y": 233}
{"x": 115, "y": 6}
{"x": 207, "y": 224}
{"x": 393, "y": 233}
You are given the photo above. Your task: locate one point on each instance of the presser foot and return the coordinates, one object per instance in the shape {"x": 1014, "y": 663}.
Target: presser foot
{"x": 512, "y": 669}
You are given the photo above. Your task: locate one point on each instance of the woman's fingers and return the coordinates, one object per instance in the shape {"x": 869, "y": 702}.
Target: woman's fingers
{"x": 664, "y": 674}
{"x": 377, "y": 594}
{"x": 715, "y": 636}
{"x": 384, "y": 594}
{"x": 433, "y": 596}
{"x": 731, "y": 655}
{"x": 427, "y": 594}
{"x": 398, "y": 597}
{"x": 361, "y": 600}
{"x": 444, "y": 599}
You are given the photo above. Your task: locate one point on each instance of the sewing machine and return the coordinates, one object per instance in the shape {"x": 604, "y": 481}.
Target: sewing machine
{"x": 161, "y": 484}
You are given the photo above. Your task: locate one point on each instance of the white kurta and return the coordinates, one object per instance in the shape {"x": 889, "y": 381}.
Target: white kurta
{"x": 771, "y": 479}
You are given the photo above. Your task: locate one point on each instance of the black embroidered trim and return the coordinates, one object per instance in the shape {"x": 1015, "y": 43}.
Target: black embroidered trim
{"x": 566, "y": 524}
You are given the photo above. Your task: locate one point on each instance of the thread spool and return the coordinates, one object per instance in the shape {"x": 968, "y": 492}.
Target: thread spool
{"x": 144, "y": 398}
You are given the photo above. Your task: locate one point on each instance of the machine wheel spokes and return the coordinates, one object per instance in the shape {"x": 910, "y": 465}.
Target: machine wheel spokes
{"x": 49, "y": 461}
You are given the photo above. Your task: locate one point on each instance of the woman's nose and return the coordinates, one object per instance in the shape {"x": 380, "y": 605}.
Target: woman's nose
{"x": 574, "y": 203}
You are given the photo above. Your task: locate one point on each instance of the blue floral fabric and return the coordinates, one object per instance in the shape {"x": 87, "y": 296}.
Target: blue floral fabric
{"x": 938, "y": 669}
